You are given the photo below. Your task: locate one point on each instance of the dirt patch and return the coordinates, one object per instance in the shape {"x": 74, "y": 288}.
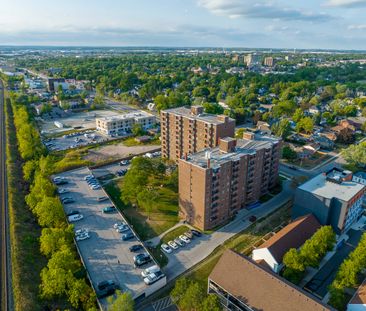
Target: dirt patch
{"x": 115, "y": 151}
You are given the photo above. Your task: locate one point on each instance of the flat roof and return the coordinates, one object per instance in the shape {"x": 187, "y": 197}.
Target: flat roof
{"x": 319, "y": 185}
{"x": 206, "y": 117}
{"x": 131, "y": 115}
{"x": 359, "y": 298}
{"x": 259, "y": 288}
{"x": 243, "y": 146}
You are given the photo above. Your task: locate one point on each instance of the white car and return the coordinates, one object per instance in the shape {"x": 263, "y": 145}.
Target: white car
{"x": 152, "y": 269}
{"x": 87, "y": 177}
{"x": 76, "y": 217}
{"x": 83, "y": 236}
{"x": 81, "y": 231}
{"x": 184, "y": 239}
{"x": 153, "y": 277}
{"x": 122, "y": 229}
{"x": 173, "y": 245}
{"x": 118, "y": 224}
{"x": 62, "y": 190}
{"x": 166, "y": 248}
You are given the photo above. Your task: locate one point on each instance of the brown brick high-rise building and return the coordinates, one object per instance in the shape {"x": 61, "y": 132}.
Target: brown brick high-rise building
{"x": 188, "y": 130}
{"x": 217, "y": 182}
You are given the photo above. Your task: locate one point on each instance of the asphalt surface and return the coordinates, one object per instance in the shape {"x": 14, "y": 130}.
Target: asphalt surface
{"x": 6, "y": 302}
{"x": 104, "y": 254}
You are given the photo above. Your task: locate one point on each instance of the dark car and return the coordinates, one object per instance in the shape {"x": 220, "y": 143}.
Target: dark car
{"x": 293, "y": 167}
{"x": 67, "y": 200}
{"x": 106, "y": 288}
{"x": 127, "y": 236}
{"x": 136, "y": 248}
{"x": 252, "y": 218}
{"x": 196, "y": 232}
{"x": 142, "y": 260}
{"x": 60, "y": 182}
{"x": 109, "y": 209}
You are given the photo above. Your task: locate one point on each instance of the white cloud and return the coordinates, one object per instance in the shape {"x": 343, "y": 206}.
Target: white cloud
{"x": 346, "y": 3}
{"x": 357, "y": 27}
{"x": 260, "y": 9}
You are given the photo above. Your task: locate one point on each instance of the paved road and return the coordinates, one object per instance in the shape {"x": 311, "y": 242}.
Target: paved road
{"x": 5, "y": 249}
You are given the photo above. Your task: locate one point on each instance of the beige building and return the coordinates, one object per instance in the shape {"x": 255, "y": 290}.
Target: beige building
{"x": 269, "y": 61}
{"x": 120, "y": 125}
{"x": 217, "y": 182}
{"x": 188, "y": 130}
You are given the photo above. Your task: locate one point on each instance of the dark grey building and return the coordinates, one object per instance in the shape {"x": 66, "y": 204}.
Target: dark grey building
{"x": 332, "y": 197}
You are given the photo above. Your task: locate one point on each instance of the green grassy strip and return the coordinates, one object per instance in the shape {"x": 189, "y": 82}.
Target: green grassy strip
{"x": 26, "y": 259}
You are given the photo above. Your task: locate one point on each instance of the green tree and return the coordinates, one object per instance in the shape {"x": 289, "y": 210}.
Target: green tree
{"x": 213, "y": 108}
{"x": 211, "y": 303}
{"x": 355, "y": 155}
{"x": 305, "y": 124}
{"x": 282, "y": 128}
{"x": 122, "y": 302}
{"x": 288, "y": 153}
{"x": 137, "y": 130}
{"x": 294, "y": 266}
{"x": 146, "y": 199}
{"x": 298, "y": 115}
{"x": 54, "y": 239}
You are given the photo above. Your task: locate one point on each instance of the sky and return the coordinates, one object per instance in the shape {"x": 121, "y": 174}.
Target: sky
{"x": 302, "y": 24}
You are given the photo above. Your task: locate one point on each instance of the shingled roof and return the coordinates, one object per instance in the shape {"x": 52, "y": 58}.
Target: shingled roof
{"x": 292, "y": 236}
{"x": 260, "y": 288}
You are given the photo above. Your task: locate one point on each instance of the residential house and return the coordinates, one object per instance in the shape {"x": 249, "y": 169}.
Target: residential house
{"x": 344, "y": 134}
{"x": 324, "y": 142}
{"x": 358, "y": 300}
{"x": 292, "y": 236}
{"x": 264, "y": 128}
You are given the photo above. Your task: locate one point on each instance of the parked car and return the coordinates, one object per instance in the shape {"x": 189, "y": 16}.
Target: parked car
{"x": 95, "y": 187}
{"x": 87, "y": 177}
{"x": 101, "y": 199}
{"x": 153, "y": 277}
{"x": 76, "y": 217}
{"x": 81, "y": 231}
{"x": 61, "y": 182}
{"x": 67, "y": 200}
{"x": 165, "y": 248}
{"x": 135, "y": 248}
{"x": 179, "y": 242}
{"x": 109, "y": 209}
{"x": 82, "y": 236}
{"x": 184, "y": 239}
{"x": 196, "y": 232}
{"x": 252, "y": 218}
{"x": 142, "y": 260}
{"x": 91, "y": 181}
{"x": 124, "y": 162}
{"x": 106, "y": 288}
{"x": 118, "y": 224}
{"x": 152, "y": 269}
{"x": 173, "y": 245}
{"x": 123, "y": 229}
{"x": 127, "y": 236}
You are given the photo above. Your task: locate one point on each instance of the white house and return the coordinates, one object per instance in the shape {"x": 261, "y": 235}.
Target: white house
{"x": 292, "y": 236}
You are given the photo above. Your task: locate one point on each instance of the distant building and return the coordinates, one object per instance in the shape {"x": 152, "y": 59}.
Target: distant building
{"x": 122, "y": 124}
{"x": 51, "y": 83}
{"x": 217, "y": 182}
{"x": 332, "y": 197}
{"x": 292, "y": 236}
{"x": 359, "y": 177}
{"x": 324, "y": 142}
{"x": 188, "y": 130}
{"x": 252, "y": 59}
{"x": 269, "y": 61}
{"x": 243, "y": 285}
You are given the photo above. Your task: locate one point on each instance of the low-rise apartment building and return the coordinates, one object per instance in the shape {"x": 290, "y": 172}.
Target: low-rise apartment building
{"x": 120, "y": 125}
{"x": 215, "y": 183}
{"x": 188, "y": 130}
{"x": 332, "y": 197}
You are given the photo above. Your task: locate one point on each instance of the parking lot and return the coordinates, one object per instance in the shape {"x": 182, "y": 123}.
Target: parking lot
{"x": 104, "y": 254}
{"x": 75, "y": 140}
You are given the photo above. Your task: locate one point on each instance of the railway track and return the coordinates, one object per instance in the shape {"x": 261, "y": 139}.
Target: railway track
{"x": 5, "y": 251}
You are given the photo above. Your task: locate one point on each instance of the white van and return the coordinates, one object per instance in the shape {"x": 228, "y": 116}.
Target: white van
{"x": 152, "y": 269}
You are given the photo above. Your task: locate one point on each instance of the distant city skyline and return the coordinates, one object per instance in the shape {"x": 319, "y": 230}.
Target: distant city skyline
{"x": 311, "y": 24}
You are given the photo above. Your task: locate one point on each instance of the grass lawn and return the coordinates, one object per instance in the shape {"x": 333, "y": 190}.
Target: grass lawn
{"x": 161, "y": 219}
{"x": 131, "y": 142}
